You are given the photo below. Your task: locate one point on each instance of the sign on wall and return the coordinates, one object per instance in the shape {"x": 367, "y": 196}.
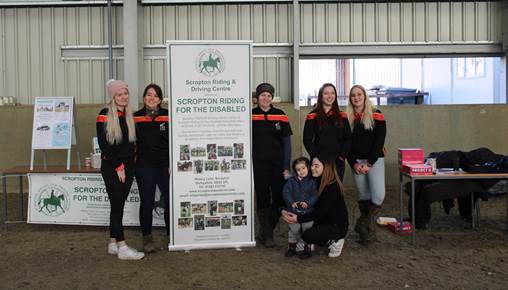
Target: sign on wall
{"x": 211, "y": 198}
{"x": 81, "y": 199}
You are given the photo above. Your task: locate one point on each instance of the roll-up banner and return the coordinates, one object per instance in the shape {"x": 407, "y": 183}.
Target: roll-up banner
{"x": 80, "y": 199}
{"x": 211, "y": 201}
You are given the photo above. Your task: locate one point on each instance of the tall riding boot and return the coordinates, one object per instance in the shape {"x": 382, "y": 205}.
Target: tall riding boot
{"x": 265, "y": 227}
{"x": 362, "y": 222}
{"x": 373, "y": 211}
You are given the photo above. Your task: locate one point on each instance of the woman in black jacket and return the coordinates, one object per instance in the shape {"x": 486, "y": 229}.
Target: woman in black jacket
{"x": 271, "y": 154}
{"x": 152, "y": 162}
{"x": 330, "y": 214}
{"x": 326, "y": 132}
{"x": 116, "y": 135}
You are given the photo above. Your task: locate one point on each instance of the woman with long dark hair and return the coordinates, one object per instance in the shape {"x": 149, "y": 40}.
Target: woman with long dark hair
{"x": 152, "y": 162}
{"x": 326, "y": 132}
{"x": 330, "y": 214}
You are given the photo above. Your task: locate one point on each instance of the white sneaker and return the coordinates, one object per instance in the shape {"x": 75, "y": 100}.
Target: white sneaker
{"x": 336, "y": 248}
{"x": 128, "y": 253}
{"x": 112, "y": 249}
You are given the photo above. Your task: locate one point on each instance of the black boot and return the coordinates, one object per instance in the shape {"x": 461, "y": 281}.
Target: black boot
{"x": 373, "y": 211}
{"x": 291, "y": 250}
{"x": 306, "y": 253}
{"x": 362, "y": 222}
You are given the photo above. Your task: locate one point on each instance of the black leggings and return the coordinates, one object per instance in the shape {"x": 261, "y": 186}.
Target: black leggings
{"x": 148, "y": 178}
{"x": 322, "y": 234}
{"x": 339, "y": 164}
{"x": 117, "y": 194}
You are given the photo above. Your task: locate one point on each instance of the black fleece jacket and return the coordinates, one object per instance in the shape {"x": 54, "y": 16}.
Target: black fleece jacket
{"x": 114, "y": 154}
{"x": 152, "y": 148}
{"x": 331, "y": 140}
{"x": 330, "y": 209}
{"x": 368, "y": 144}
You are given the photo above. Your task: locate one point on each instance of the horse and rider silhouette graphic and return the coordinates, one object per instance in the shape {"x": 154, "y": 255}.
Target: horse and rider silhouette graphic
{"x": 212, "y": 63}
{"x": 53, "y": 200}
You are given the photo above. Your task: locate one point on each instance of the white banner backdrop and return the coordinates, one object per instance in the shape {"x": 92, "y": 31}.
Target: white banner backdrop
{"x": 212, "y": 188}
{"x": 80, "y": 199}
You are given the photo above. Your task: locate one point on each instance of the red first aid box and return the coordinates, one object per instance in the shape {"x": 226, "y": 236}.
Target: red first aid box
{"x": 410, "y": 156}
{"x": 417, "y": 169}
{"x": 407, "y": 227}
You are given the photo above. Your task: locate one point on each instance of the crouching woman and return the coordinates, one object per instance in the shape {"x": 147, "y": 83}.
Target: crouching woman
{"x": 330, "y": 214}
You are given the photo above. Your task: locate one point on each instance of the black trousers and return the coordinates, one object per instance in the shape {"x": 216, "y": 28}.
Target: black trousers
{"x": 268, "y": 183}
{"x": 148, "y": 178}
{"x": 322, "y": 234}
{"x": 117, "y": 194}
{"x": 339, "y": 164}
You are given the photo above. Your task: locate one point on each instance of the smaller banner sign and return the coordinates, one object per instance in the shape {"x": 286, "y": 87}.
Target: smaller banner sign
{"x": 72, "y": 198}
{"x": 52, "y": 123}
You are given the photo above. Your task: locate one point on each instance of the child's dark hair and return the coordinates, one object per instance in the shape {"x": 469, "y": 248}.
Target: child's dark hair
{"x": 300, "y": 160}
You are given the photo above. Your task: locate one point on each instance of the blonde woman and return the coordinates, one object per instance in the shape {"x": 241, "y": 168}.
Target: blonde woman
{"x": 116, "y": 133}
{"x": 366, "y": 159}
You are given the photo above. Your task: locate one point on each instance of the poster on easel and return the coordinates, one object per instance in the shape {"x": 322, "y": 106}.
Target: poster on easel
{"x": 211, "y": 201}
{"x": 53, "y": 120}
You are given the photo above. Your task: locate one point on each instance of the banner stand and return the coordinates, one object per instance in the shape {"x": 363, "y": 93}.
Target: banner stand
{"x": 54, "y": 128}
{"x": 187, "y": 248}
{"x": 211, "y": 196}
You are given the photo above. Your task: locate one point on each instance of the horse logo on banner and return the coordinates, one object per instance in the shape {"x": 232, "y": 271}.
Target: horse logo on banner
{"x": 210, "y": 62}
{"x": 52, "y": 200}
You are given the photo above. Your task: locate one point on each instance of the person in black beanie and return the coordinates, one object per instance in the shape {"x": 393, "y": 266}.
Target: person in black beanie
{"x": 152, "y": 162}
{"x": 271, "y": 154}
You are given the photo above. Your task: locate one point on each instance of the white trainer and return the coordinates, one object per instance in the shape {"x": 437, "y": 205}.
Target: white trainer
{"x": 128, "y": 253}
{"x": 113, "y": 249}
{"x": 336, "y": 248}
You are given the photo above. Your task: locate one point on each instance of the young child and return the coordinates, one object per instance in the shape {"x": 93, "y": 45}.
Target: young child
{"x": 300, "y": 196}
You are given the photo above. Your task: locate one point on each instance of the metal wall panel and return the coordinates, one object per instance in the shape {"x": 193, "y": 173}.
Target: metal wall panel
{"x": 268, "y": 23}
{"x": 400, "y": 22}
{"x": 30, "y": 56}
{"x": 31, "y": 37}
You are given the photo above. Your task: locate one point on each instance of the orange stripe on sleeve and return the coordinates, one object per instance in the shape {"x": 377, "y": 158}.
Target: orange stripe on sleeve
{"x": 311, "y": 116}
{"x": 102, "y": 119}
{"x": 162, "y": 119}
{"x": 258, "y": 117}
{"x": 378, "y": 116}
{"x": 142, "y": 119}
{"x": 282, "y": 118}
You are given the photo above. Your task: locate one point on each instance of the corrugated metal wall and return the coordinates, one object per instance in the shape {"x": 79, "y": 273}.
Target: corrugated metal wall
{"x": 31, "y": 38}
{"x": 400, "y": 22}
{"x": 31, "y": 62}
